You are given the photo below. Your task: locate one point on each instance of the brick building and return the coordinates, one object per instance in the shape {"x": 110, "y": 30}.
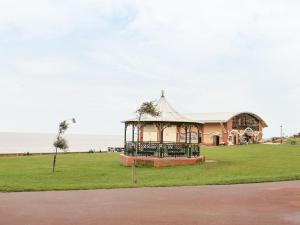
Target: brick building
{"x": 229, "y": 128}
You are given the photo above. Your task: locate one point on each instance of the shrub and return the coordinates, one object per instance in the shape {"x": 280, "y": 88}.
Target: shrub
{"x": 91, "y": 151}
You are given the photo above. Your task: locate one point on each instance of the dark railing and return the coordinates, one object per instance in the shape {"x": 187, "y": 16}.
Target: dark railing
{"x": 161, "y": 150}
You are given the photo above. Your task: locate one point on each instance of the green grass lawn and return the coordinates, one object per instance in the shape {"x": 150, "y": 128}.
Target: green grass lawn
{"x": 238, "y": 164}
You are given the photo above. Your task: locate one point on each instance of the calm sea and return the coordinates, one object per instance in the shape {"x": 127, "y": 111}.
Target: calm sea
{"x": 40, "y": 143}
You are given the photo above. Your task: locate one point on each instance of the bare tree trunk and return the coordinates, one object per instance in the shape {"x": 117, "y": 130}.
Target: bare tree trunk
{"x": 132, "y": 172}
{"x": 134, "y": 177}
{"x": 54, "y": 161}
{"x": 54, "y": 157}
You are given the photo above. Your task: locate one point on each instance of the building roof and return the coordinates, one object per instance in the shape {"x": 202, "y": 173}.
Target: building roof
{"x": 219, "y": 117}
{"x": 167, "y": 114}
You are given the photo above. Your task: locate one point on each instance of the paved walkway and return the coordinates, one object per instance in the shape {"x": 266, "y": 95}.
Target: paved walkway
{"x": 251, "y": 204}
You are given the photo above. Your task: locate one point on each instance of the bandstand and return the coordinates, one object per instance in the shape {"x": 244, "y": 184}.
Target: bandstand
{"x": 166, "y": 140}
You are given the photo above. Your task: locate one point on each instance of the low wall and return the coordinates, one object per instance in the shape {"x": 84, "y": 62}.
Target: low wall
{"x": 160, "y": 162}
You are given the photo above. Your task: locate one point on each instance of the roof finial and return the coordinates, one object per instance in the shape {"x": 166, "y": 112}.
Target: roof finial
{"x": 162, "y": 93}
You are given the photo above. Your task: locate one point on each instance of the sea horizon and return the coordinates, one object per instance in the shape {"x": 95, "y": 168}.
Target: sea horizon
{"x": 23, "y": 142}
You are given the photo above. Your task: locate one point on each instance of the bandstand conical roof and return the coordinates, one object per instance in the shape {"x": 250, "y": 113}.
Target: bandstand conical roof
{"x": 167, "y": 114}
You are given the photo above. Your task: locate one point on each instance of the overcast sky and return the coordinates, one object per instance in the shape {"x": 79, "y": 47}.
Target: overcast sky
{"x": 98, "y": 60}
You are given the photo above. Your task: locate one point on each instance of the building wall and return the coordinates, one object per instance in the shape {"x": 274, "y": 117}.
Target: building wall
{"x": 227, "y": 134}
{"x": 209, "y": 130}
{"x": 170, "y": 133}
{"x": 173, "y": 133}
{"x": 194, "y": 131}
{"x": 150, "y": 133}
{"x": 224, "y": 133}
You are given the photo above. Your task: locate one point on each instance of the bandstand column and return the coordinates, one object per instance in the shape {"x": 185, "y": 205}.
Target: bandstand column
{"x": 132, "y": 133}
{"x": 160, "y": 129}
{"x": 161, "y": 141}
{"x": 198, "y": 129}
{"x": 190, "y": 134}
{"x": 125, "y": 134}
{"x": 162, "y": 136}
{"x": 160, "y": 132}
{"x": 186, "y": 132}
{"x": 177, "y": 133}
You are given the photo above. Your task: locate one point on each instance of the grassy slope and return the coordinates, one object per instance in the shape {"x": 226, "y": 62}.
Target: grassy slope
{"x": 239, "y": 164}
{"x": 297, "y": 140}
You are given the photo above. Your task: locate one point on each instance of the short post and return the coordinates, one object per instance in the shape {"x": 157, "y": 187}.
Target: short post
{"x": 281, "y": 134}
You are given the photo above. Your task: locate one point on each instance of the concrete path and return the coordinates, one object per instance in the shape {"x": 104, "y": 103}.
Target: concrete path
{"x": 251, "y": 204}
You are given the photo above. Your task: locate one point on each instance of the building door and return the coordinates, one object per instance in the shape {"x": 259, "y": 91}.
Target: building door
{"x": 234, "y": 139}
{"x": 200, "y": 138}
{"x": 216, "y": 140}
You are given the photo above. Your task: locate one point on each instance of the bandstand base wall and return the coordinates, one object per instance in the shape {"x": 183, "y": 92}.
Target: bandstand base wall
{"x": 126, "y": 160}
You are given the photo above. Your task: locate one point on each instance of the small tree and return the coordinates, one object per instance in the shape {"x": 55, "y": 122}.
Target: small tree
{"x": 60, "y": 142}
{"x": 146, "y": 108}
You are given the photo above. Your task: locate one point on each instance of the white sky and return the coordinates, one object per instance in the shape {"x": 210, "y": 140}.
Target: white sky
{"x": 98, "y": 60}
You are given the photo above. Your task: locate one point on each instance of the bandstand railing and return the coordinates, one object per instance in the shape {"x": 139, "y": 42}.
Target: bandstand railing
{"x": 161, "y": 150}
